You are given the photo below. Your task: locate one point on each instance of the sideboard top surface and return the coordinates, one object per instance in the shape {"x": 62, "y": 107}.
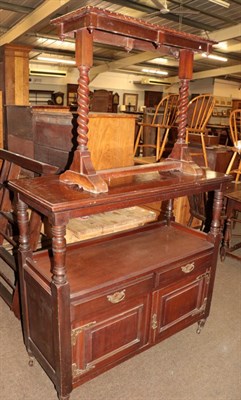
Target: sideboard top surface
{"x": 126, "y": 256}
{"x": 50, "y": 195}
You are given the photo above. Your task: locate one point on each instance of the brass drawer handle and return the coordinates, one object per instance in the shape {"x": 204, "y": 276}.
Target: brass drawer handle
{"x": 116, "y": 297}
{"x": 188, "y": 268}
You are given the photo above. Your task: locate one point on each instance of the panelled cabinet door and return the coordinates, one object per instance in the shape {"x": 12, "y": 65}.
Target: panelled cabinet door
{"x": 179, "y": 305}
{"x": 108, "y": 337}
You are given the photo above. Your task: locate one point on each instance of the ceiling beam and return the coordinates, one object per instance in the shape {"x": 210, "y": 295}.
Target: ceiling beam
{"x": 43, "y": 11}
{"x": 220, "y": 35}
{"x": 235, "y": 48}
{"x": 211, "y": 73}
{"x": 122, "y": 63}
{"x": 15, "y": 7}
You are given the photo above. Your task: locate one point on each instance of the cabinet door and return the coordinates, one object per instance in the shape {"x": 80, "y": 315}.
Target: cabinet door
{"x": 110, "y": 336}
{"x": 179, "y": 305}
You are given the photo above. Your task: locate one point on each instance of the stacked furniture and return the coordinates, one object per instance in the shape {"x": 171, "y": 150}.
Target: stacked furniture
{"x": 15, "y": 166}
{"x": 90, "y": 305}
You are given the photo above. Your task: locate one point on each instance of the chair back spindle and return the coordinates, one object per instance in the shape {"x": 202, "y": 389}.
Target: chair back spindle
{"x": 162, "y": 121}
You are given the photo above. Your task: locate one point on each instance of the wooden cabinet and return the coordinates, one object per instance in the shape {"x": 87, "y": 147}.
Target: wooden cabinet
{"x": 236, "y": 104}
{"x": 126, "y": 291}
{"x": 71, "y": 94}
{"x": 152, "y": 98}
{"x": 40, "y": 97}
{"x": 90, "y": 305}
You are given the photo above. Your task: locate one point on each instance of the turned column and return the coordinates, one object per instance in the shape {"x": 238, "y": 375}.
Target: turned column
{"x": 180, "y": 150}
{"x": 82, "y": 172}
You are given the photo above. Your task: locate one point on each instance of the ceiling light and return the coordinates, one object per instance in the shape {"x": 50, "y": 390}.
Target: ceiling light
{"x": 154, "y": 71}
{"x": 221, "y": 45}
{"x": 214, "y": 57}
{"x": 158, "y": 60}
{"x": 56, "y": 60}
{"x": 220, "y": 3}
{"x": 64, "y": 44}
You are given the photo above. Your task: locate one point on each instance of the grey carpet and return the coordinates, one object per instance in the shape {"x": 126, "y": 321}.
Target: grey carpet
{"x": 186, "y": 366}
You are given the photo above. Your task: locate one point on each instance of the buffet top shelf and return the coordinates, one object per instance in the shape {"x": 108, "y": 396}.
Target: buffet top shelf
{"x": 126, "y": 187}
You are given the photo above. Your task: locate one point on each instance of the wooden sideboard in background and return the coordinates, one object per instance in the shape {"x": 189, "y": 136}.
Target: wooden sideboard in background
{"x": 48, "y": 134}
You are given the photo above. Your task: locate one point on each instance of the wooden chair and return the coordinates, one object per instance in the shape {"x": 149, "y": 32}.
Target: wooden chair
{"x": 167, "y": 111}
{"x": 235, "y": 134}
{"x": 197, "y": 209}
{"x": 15, "y": 166}
{"x": 200, "y": 109}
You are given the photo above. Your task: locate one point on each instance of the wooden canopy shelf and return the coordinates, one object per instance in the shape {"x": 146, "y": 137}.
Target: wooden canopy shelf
{"x": 89, "y": 25}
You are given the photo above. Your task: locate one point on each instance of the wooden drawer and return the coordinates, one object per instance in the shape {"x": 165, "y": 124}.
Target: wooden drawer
{"x": 181, "y": 270}
{"x": 112, "y": 299}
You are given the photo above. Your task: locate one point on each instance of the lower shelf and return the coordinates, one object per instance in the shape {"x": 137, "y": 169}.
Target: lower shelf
{"x": 102, "y": 262}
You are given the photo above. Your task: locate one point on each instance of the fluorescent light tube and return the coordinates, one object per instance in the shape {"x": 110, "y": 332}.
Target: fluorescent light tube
{"x": 220, "y": 3}
{"x": 154, "y": 71}
{"x": 214, "y": 57}
{"x": 56, "y": 60}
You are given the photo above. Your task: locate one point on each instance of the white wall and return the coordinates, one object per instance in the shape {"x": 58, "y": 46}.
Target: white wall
{"x": 125, "y": 83}
{"x": 227, "y": 89}
{"x": 116, "y": 82}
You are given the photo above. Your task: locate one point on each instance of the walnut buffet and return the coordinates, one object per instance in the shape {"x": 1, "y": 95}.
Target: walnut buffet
{"x": 91, "y": 305}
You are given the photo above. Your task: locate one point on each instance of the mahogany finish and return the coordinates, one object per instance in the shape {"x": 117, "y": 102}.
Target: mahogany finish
{"x": 106, "y": 299}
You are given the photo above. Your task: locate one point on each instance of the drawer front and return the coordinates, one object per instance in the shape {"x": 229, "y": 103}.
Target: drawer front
{"x": 112, "y": 299}
{"x": 182, "y": 270}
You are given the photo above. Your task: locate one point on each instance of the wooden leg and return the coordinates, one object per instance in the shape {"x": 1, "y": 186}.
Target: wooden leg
{"x": 163, "y": 143}
{"x": 231, "y": 163}
{"x": 226, "y": 238}
{"x": 204, "y": 151}
{"x": 238, "y": 172}
{"x": 63, "y": 397}
{"x": 15, "y": 307}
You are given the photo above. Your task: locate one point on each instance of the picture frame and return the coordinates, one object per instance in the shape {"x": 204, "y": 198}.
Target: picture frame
{"x": 130, "y": 100}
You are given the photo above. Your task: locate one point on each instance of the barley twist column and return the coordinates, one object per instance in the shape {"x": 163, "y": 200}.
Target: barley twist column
{"x": 182, "y": 108}
{"x": 83, "y": 107}
{"x": 82, "y": 171}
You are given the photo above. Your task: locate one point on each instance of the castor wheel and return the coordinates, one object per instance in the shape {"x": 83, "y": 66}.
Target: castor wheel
{"x": 222, "y": 253}
{"x": 31, "y": 361}
{"x": 201, "y": 324}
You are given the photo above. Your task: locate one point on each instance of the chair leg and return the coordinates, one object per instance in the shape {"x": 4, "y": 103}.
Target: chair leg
{"x": 231, "y": 163}
{"x": 163, "y": 143}
{"x": 138, "y": 140}
{"x": 238, "y": 172}
{"x": 158, "y": 143}
{"x": 204, "y": 151}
